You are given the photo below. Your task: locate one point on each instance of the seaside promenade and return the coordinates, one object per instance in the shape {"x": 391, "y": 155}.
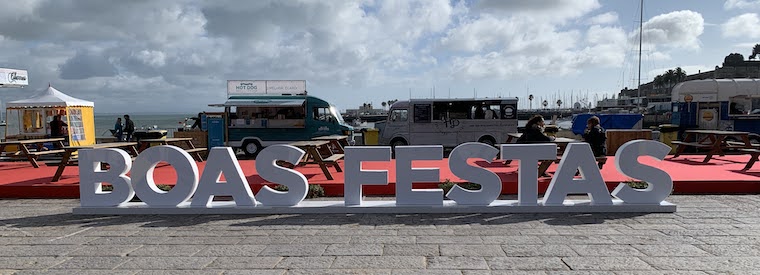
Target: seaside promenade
{"x": 708, "y": 234}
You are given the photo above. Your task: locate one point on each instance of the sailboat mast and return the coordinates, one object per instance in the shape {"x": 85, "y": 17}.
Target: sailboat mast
{"x": 641, "y": 32}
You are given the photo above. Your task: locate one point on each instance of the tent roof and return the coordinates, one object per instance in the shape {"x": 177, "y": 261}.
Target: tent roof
{"x": 50, "y": 98}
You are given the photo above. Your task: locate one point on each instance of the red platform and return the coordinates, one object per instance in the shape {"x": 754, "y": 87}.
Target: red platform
{"x": 722, "y": 175}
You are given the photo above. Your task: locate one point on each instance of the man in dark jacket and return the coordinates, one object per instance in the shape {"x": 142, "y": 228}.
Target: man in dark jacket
{"x": 596, "y": 136}
{"x": 129, "y": 128}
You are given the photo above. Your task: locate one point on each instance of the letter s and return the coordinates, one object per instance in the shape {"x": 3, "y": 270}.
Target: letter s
{"x": 626, "y": 161}
{"x": 297, "y": 184}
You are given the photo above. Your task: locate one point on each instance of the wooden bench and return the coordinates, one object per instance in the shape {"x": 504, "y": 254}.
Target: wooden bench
{"x": 754, "y": 155}
{"x": 47, "y": 152}
{"x": 692, "y": 144}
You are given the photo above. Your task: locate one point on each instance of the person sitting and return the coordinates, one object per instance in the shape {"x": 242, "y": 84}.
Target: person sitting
{"x": 57, "y": 127}
{"x": 534, "y": 131}
{"x": 596, "y": 136}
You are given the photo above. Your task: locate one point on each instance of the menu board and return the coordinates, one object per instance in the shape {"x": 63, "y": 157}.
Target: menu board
{"x": 422, "y": 112}
{"x": 76, "y": 127}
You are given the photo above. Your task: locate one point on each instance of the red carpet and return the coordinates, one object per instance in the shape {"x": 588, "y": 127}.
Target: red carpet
{"x": 722, "y": 175}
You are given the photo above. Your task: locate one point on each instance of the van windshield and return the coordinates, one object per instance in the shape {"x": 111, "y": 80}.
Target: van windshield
{"x": 336, "y": 114}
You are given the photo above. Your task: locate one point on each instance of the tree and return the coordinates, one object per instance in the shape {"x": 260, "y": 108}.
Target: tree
{"x": 530, "y": 99}
{"x": 384, "y": 103}
{"x": 755, "y": 51}
{"x": 559, "y": 103}
{"x": 659, "y": 81}
{"x": 680, "y": 75}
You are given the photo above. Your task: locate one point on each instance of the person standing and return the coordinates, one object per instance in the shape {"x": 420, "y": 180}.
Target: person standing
{"x": 596, "y": 136}
{"x": 57, "y": 127}
{"x": 129, "y": 128}
{"x": 118, "y": 130}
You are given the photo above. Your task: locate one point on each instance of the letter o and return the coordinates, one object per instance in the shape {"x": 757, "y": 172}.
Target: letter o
{"x": 145, "y": 186}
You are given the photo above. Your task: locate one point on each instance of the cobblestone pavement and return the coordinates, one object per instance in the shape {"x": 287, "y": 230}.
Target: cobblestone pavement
{"x": 708, "y": 235}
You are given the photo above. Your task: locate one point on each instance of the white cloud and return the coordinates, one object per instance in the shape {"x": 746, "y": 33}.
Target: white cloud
{"x": 541, "y": 10}
{"x": 741, "y": 4}
{"x": 745, "y": 25}
{"x": 604, "y": 18}
{"x": 679, "y": 29}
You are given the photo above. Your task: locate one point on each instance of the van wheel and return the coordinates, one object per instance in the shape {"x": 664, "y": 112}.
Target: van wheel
{"x": 398, "y": 142}
{"x": 487, "y": 140}
{"x": 251, "y": 148}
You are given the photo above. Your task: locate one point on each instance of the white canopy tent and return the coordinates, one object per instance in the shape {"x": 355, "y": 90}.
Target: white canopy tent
{"x": 49, "y": 99}
{"x": 30, "y": 118}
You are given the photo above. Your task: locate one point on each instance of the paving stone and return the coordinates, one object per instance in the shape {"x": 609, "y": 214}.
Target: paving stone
{"x": 128, "y": 240}
{"x": 606, "y": 263}
{"x": 472, "y": 250}
{"x": 256, "y": 272}
{"x": 166, "y": 263}
{"x": 354, "y": 249}
{"x": 738, "y": 250}
{"x": 425, "y": 272}
{"x": 267, "y": 240}
{"x": 456, "y": 263}
{"x": 102, "y": 250}
{"x": 18, "y": 263}
{"x": 177, "y": 272}
{"x": 91, "y": 263}
{"x": 685, "y": 250}
{"x": 526, "y": 263}
{"x": 449, "y": 240}
{"x": 166, "y": 250}
{"x": 605, "y": 250}
{"x": 390, "y": 262}
{"x": 511, "y": 240}
{"x": 338, "y": 271}
{"x": 384, "y": 239}
{"x": 411, "y": 250}
{"x": 35, "y": 250}
{"x": 294, "y": 250}
{"x": 230, "y": 263}
{"x": 241, "y": 250}
{"x": 720, "y": 264}
{"x": 523, "y": 250}
{"x": 305, "y": 262}
{"x": 503, "y": 272}
{"x": 202, "y": 240}
{"x": 321, "y": 239}
{"x": 577, "y": 239}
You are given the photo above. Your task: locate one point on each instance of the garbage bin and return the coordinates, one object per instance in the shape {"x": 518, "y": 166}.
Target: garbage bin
{"x": 371, "y": 136}
{"x": 551, "y": 130}
{"x": 669, "y": 133}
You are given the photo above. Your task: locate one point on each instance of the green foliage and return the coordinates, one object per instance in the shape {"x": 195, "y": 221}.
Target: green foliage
{"x": 315, "y": 190}
{"x": 448, "y": 184}
{"x": 637, "y": 184}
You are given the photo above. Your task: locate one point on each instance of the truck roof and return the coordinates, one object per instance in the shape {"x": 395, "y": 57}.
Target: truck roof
{"x": 717, "y": 89}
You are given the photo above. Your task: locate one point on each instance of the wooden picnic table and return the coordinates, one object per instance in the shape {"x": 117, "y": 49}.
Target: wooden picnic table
{"x": 561, "y": 146}
{"x": 69, "y": 150}
{"x": 337, "y": 142}
{"x": 319, "y": 152}
{"x": 24, "y": 150}
{"x": 195, "y": 152}
{"x": 714, "y": 141}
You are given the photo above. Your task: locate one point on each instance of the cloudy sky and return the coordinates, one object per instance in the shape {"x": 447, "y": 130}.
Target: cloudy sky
{"x": 175, "y": 56}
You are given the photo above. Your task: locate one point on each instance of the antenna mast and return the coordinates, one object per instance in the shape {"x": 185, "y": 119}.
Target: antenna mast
{"x": 641, "y": 32}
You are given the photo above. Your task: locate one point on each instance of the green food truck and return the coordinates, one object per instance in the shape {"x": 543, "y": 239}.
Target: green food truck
{"x": 259, "y": 113}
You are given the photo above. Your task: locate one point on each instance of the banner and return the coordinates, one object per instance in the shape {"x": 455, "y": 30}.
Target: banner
{"x": 13, "y": 78}
{"x": 276, "y": 87}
